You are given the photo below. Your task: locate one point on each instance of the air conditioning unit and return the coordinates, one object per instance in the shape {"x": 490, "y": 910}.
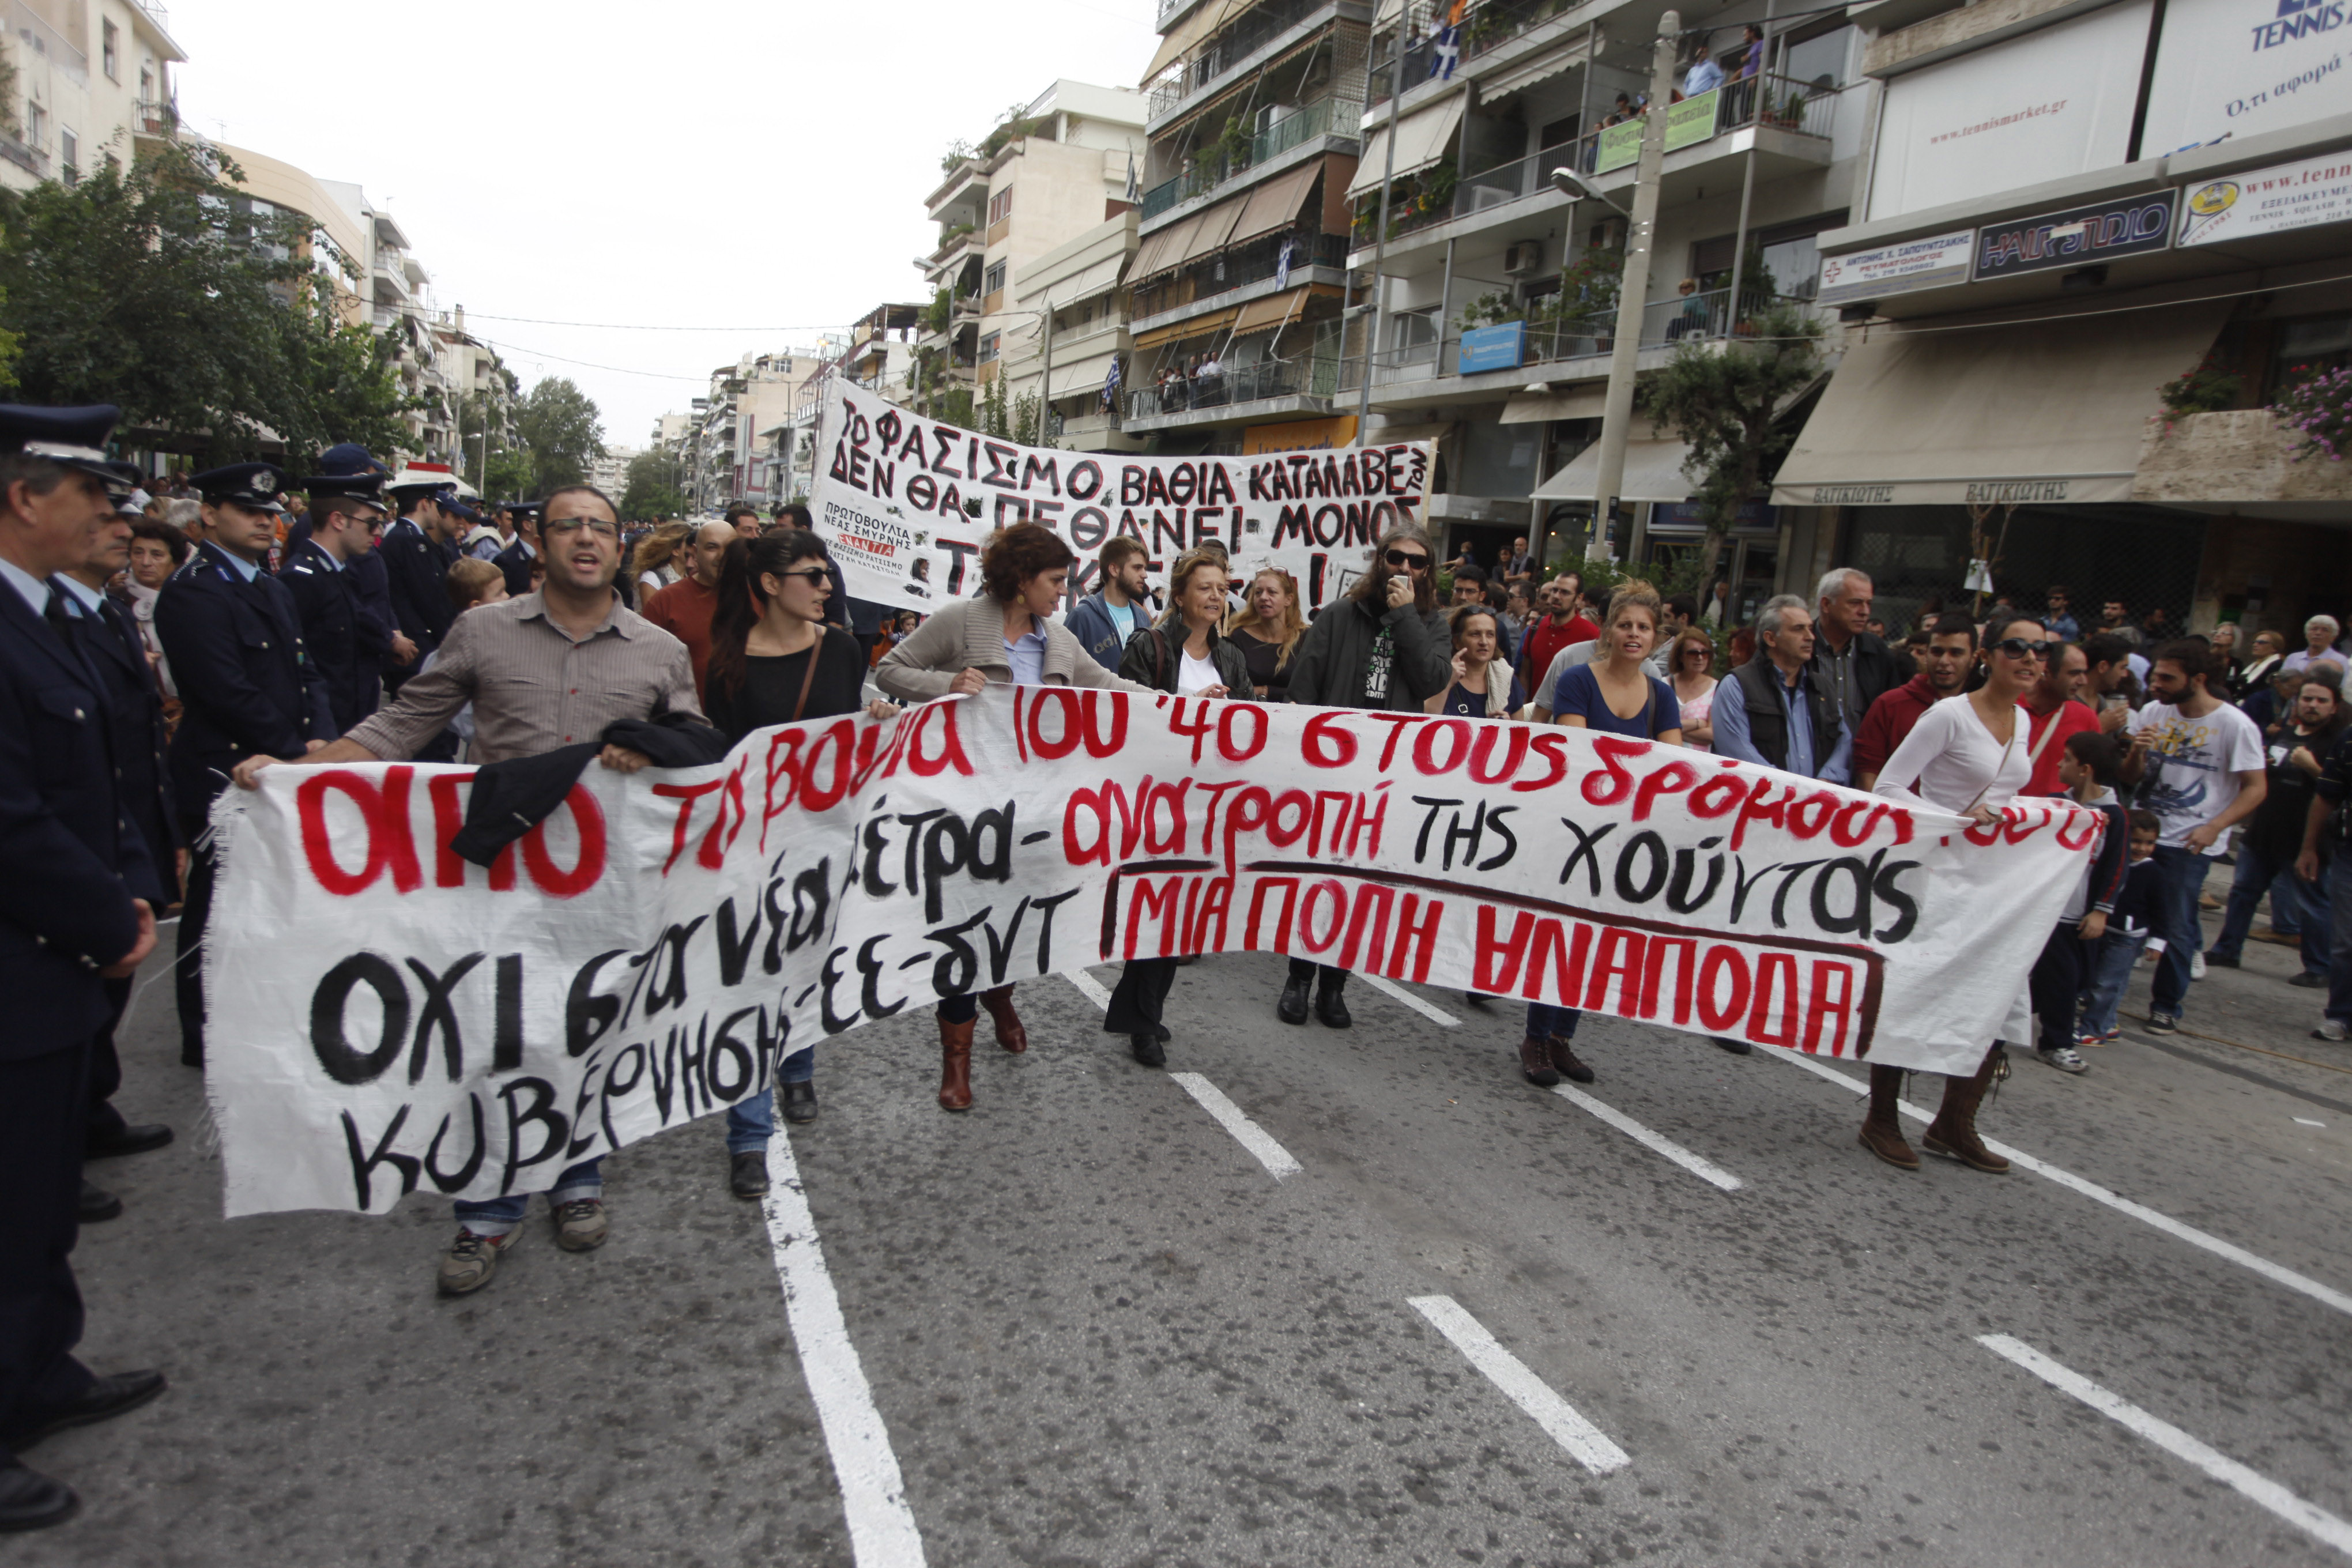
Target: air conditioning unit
{"x": 1523, "y": 257}
{"x": 1608, "y": 234}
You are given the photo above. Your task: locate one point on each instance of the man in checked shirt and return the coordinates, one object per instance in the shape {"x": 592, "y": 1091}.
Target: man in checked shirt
{"x": 544, "y": 670}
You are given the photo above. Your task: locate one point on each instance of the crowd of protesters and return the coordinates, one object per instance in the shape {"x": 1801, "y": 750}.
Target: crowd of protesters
{"x": 158, "y": 648}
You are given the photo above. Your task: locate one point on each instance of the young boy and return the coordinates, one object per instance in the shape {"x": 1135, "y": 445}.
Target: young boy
{"x": 2125, "y": 932}
{"x": 2087, "y": 768}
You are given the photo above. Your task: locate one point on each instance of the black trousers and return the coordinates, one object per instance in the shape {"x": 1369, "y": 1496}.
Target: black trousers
{"x": 188, "y": 968}
{"x": 106, "y": 1067}
{"x": 41, "y": 1133}
{"x": 1141, "y": 993}
{"x": 1326, "y": 977}
{"x": 2056, "y": 984}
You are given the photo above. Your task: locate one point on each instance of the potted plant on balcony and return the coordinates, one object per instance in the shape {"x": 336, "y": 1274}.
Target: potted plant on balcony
{"x": 2316, "y": 408}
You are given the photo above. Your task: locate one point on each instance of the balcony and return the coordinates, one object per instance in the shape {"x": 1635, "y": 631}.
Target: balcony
{"x": 30, "y": 159}
{"x": 1235, "y": 396}
{"x": 2240, "y": 460}
{"x": 1293, "y": 130}
{"x": 1262, "y": 31}
{"x": 1249, "y": 270}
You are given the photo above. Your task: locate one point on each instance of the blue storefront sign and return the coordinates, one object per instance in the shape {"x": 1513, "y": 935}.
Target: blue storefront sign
{"x": 2078, "y": 237}
{"x": 1689, "y": 517}
{"x": 1493, "y": 348}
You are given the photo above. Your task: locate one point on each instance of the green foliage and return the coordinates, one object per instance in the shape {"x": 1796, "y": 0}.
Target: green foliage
{"x": 1720, "y": 399}
{"x": 656, "y": 487}
{"x": 935, "y": 319}
{"x": 1493, "y": 309}
{"x": 157, "y": 289}
{"x": 958, "y": 150}
{"x": 1589, "y": 286}
{"x": 2206, "y": 388}
{"x": 9, "y": 347}
{"x": 561, "y": 433}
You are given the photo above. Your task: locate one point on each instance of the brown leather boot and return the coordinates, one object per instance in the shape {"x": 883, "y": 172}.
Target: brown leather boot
{"x": 955, "y": 1064}
{"x": 1881, "y": 1129}
{"x": 1535, "y": 1062}
{"x": 1953, "y": 1134}
{"x": 1009, "y": 1032}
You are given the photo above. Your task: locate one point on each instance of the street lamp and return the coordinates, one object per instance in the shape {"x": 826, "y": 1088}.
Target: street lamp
{"x": 1577, "y": 188}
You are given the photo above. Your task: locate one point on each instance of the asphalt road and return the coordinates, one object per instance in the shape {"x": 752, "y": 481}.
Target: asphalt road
{"x": 1089, "y": 1323}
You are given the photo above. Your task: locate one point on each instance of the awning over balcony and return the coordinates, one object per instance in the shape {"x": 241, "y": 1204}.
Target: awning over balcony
{"x": 2036, "y": 411}
{"x": 1187, "y": 35}
{"x": 1274, "y": 311}
{"x": 1199, "y": 326}
{"x": 1543, "y": 67}
{"x": 1421, "y": 139}
{"x": 1165, "y": 248}
{"x": 1100, "y": 278}
{"x": 1536, "y": 407}
{"x": 1082, "y": 375}
{"x": 1275, "y": 204}
{"x": 1214, "y": 232}
{"x": 1654, "y": 472}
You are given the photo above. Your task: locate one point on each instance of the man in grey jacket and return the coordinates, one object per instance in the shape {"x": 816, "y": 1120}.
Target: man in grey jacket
{"x": 1383, "y": 647}
{"x": 1103, "y": 620}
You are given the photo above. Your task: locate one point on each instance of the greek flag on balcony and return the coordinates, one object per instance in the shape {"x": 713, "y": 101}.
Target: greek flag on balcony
{"x": 1282, "y": 263}
{"x": 1445, "y": 52}
{"x": 1134, "y": 191}
{"x": 1110, "y": 388}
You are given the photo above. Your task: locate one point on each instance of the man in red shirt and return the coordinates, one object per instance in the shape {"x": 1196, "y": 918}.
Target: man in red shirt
{"x": 1951, "y": 648}
{"x": 683, "y": 609}
{"x": 1561, "y": 627}
{"x": 2056, "y": 710}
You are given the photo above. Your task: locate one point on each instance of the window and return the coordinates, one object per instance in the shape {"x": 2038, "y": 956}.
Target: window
{"x": 988, "y": 346}
{"x": 992, "y": 280}
{"x": 70, "y": 155}
{"x": 37, "y": 125}
{"x": 1818, "y": 60}
{"x": 110, "y": 50}
{"x": 1000, "y": 206}
{"x": 2307, "y": 348}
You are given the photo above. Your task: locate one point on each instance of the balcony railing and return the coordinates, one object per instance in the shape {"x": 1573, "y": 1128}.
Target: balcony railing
{"x": 1301, "y": 125}
{"x": 1693, "y": 318}
{"x": 1252, "y": 262}
{"x": 1309, "y": 376}
{"x": 1229, "y": 47}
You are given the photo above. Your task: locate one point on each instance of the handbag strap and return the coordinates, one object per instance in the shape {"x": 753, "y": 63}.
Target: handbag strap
{"x": 2001, "y": 765}
{"x": 808, "y": 677}
{"x": 2033, "y": 757}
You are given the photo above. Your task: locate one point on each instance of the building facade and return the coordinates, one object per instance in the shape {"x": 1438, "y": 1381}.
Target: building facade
{"x": 86, "y": 79}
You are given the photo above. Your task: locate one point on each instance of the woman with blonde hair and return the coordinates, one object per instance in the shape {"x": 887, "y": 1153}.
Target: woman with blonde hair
{"x": 656, "y": 563}
{"x": 1269, "y": 630}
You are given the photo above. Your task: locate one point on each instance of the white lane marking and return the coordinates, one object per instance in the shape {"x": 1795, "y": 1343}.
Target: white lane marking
{"x": 1088, "y": 987}
{"x": 2258, "y": 1488}
{"x": 1704, "y": 1169}
{"x": 1562, "y": 1422}
{"x": 1391, "y": 988}
{"x": 1249, "y": 1134}
{"x": 882, "y": 1532}
{"x": 2278, "y": 1274}
{"x": 2307, "y": 1121}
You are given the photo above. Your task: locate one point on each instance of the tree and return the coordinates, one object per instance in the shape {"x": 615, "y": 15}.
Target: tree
{"x": 1724, "y": 399}
{"x": 562, "y": 432}
{"x": 162, "y": 288}
{"x": 492, "y": 461}
{"x": 656, "y": 487}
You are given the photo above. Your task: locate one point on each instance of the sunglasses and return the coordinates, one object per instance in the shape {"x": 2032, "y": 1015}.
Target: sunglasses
{"x": 2018, "y": 648}
{"x": 1405, "y": 558}
{"x": 815, "y": 577}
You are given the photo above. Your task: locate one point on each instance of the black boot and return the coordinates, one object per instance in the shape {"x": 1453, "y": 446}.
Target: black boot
{"x": 1146, "y": 1046}
{"x": 798, "y": 1101}
{"x": 1331, "y": 1006}
{"x": 98, "y": 1204}
{"x": 1292, "y": 1008}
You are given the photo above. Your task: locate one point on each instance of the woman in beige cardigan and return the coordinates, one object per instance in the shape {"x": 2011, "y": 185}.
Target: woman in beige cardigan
{"x": 1003, "y": 635}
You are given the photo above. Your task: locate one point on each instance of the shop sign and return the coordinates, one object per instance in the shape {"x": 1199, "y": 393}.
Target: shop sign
{"x": 1299, "y": 436}
{"x": 1690, "y": 517}
{"x": 2269, "y": 201}
{"x": 2077, "y": 237}
{"x": 1896, "y": 269}
{"x": 1687, "y": 123}
{"x": 2241, "y": 68}
{"x": 1492, "y": 348}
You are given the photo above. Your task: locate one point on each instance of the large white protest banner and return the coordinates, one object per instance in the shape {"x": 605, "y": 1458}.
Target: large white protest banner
{"x": 388, "y": 1018}
{"x": 906, "y": 504}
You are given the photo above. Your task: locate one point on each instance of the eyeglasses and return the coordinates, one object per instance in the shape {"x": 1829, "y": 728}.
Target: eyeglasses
{"x": 571, "y": 525}
{"x": 2018, "y": 648}
{"x": 1405, "y": 558}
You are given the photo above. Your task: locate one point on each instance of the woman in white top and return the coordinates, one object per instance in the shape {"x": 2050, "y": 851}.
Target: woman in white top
{"x": 1968, "y": 755}
{"x": 1690, "y": 664}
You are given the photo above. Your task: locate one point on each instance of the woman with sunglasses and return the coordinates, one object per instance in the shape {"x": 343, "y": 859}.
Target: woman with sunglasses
{"x": 773, "y": 661}
{"x": 1001, "y": 636}
{"x": 1384, "y": 645}
{"x": 1966, "y": 755}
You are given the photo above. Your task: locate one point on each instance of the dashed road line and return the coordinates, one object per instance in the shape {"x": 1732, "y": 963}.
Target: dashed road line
{"x": 1705, "y": 1170}
{"x": 882, "y": 1532}
{"x": 1585, "y": 1443}
{"x": 2251, "y": 1484}
{"x": 1277, "y": 1159}
{"x": 2278, "y": 1274}
{"x": 1391, "y": 988}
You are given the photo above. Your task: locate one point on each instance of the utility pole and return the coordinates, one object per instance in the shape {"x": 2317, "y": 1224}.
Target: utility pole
{"x": 1633, "y": 288}
{"x": 1380, "y": 233}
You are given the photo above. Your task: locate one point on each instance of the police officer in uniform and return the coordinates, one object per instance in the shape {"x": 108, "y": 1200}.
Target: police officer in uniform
{"x": 69, "y": 922}
{"x": 245, "y": 685}
{"x": 117, "y": 657}
{"x": 341, "y": 634}
{"x": 418, "y": 552}
{"x": 515, "y": 559}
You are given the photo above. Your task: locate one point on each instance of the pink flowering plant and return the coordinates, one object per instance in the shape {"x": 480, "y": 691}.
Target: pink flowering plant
{"x": 2317, "y": 406}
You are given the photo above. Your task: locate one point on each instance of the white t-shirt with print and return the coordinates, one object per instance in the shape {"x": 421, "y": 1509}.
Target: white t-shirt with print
{"x": 2193, "y": 766}
{"x": 1194, "y": 675}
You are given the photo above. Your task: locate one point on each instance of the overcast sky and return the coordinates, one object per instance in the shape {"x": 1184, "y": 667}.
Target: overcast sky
{"x": 733, "y": 163}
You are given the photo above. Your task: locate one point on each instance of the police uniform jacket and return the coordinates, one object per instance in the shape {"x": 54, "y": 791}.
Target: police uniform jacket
{"x": 418, "y": 569}
{"x": 117, "y": 657}
{"x": 245, "y": 684}
{"x": 343, "y": 638}
{"x": 515, "y": 562}
{"x": 367, "y": 581}
{"x": 70, "y": 856}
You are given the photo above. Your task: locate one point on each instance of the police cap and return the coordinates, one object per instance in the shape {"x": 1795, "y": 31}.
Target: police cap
{"x": 253, "y": 486}
{"x": 71, "y": 438}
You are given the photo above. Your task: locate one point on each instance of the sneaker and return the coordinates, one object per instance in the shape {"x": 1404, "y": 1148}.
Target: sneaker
{"x": 472, "y": 1259}
{"x": 2196, "y": 966}
{"x": 2087, "y": 1040}
{"x": 2329, "y": 1029}
{"x": 2065, "y": 1059}
{"x": 580, "y": 1224}
{"x": 2163, "y": 1024}
{"x": 2213, "y": 955}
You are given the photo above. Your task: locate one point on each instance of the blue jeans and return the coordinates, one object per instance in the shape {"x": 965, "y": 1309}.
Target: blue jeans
{"x": 2297, "y": 906}
{"x": 752, "y": 1122}
{"x": 2180, "y": 876}
{"x": 2337, "y": 880}
{"x": 1545, "y": 1021}
{"x": 2111, "y": 973}
{"x": 500, "y": 1216}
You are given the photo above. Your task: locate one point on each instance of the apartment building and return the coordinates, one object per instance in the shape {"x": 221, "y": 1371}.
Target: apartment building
{"x": 482, "y": 392}
{"x": 722, "y": 444}
{"x": 86, "y": 79}
{"x": 1040, "y": 180}
{"x": 2064, "y": 209}
{"x": 1072, "y": 360}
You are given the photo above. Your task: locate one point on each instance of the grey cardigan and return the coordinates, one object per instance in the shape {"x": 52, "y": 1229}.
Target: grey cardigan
{"x": 970, "y": 634}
